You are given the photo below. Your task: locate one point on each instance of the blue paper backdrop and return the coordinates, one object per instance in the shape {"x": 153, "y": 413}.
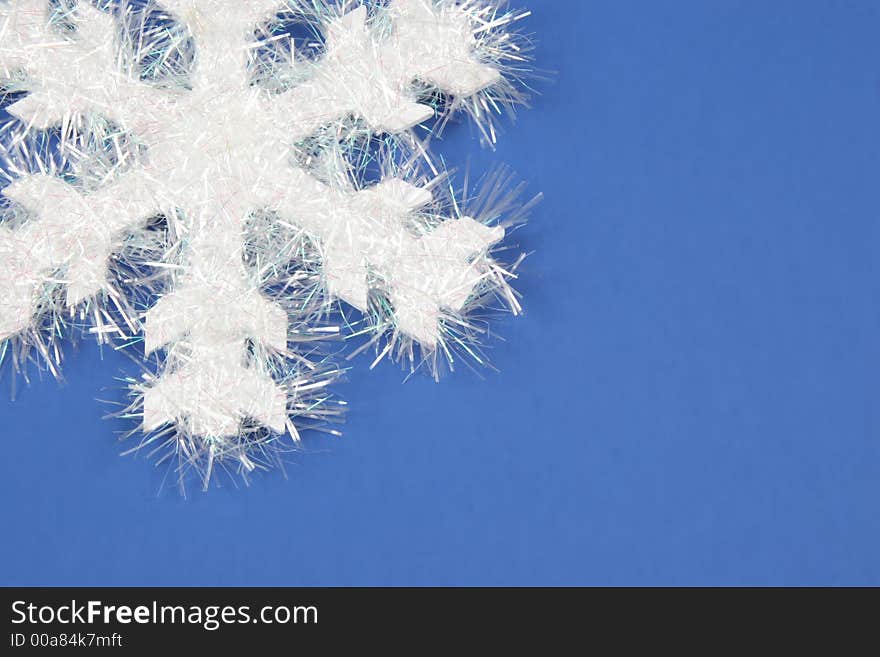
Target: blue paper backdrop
{"x": 691, "y": 397}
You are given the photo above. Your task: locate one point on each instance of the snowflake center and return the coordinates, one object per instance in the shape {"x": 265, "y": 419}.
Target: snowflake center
{"x": 221, "y": 146}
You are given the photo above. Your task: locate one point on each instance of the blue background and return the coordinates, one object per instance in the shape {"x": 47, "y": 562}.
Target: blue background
{"x": 690, "y": 399}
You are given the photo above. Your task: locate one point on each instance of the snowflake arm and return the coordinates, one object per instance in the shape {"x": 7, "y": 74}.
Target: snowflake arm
{"x": 438, "y": 41}
{"x": 213, "y": 309}
{"x": 372, "y": 76}
{"x": 220, "y": 29}
{"x": 24, "y": 31}
{"x": 70, "y": 75}
{"x": 212, "y": 382}
{"x": 369, "y": 234}
{"x": 70, "y": 239}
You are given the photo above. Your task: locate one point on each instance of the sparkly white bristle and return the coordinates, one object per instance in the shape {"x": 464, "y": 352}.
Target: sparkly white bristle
{"x": 193, "y": 112}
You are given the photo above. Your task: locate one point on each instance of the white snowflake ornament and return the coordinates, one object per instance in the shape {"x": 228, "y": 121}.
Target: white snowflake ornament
{"x": 158, "y": 111}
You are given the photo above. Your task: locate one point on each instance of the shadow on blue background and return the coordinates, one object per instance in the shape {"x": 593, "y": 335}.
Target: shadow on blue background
{"x": 690, "y": 399}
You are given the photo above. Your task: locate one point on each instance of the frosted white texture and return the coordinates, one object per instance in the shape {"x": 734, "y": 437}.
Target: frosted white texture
{"x": 217, "y": 151}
